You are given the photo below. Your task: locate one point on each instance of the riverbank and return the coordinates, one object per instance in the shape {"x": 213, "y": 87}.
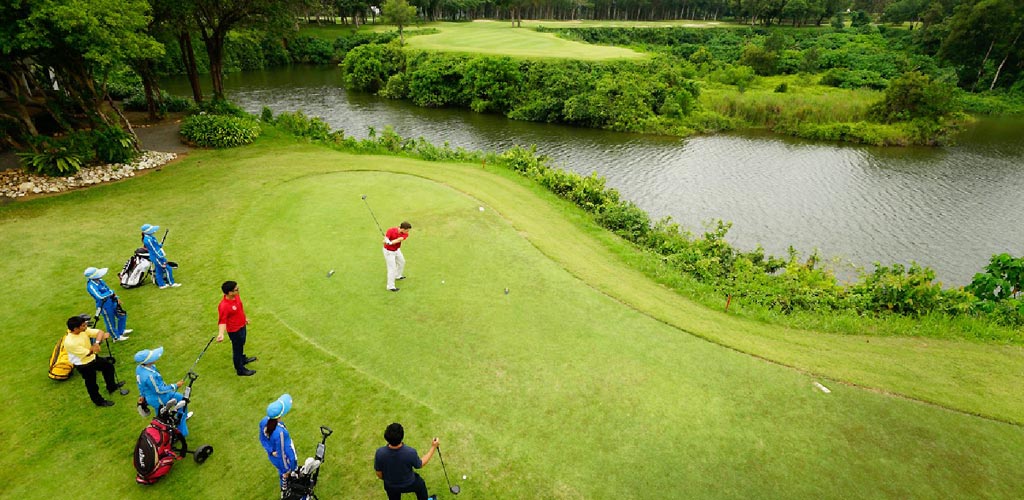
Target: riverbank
{"x": 518, "y": 375}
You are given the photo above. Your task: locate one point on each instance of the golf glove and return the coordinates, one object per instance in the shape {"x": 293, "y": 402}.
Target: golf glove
{"x": 387, "y": 241}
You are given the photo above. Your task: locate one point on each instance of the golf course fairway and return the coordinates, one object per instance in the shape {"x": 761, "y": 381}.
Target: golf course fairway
{"x": 584, "y": 381}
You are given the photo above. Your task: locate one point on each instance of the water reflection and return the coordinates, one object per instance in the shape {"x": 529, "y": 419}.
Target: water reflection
{"x": 948, "y": 208}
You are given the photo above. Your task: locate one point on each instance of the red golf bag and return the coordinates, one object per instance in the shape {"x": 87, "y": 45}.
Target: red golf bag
{"x": 154, "y": 452}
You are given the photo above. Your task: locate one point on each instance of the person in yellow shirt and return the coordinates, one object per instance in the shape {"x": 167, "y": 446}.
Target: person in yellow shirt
{"x": 82, "y": 353}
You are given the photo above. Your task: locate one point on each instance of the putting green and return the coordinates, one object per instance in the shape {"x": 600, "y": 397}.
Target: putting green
{"x": 494, "y": 38}
{"x": 555, "y": 390}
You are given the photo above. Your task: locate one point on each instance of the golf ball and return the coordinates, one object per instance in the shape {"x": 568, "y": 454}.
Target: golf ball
{"x": 442, "y": 282}
{"x": 481, "y": 209}
{"x": 463, "y": 477}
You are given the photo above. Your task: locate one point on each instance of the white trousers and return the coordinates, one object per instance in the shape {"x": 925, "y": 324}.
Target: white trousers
{"x": 396, "y": 265}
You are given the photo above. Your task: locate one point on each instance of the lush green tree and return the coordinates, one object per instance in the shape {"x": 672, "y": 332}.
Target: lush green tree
{"x": 914, "y": 95}
{"x": 982, "y": 32}
{"x": 57, "y": 55}
{"x": 399, "y": 13}
{"x": 215, "y": 18}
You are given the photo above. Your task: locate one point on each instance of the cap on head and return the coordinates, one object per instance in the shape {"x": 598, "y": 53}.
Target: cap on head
{"x": 281, "y": 407}
{"x": 147, "y": 356}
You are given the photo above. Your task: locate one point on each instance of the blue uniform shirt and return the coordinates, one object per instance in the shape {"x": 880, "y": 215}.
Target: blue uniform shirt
{"x": 279, "y": 443}
{"x": 156, "y": 250}
{"x": 99, "y": 290}
{"x": 152, "y": 386}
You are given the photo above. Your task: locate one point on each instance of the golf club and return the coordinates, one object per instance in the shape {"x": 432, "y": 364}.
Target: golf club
{"x": 372, "y": 215}
{"x": 454, "y": 489}
{"x": 162, "y": 240}
{"x": 110, "y": 354}
{"x": 190, "y": 370}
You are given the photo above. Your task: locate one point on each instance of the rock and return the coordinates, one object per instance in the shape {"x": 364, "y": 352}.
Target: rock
{"x": 25, "y": 186}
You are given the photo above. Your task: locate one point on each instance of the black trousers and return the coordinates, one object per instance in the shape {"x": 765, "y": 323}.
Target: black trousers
{"x": 88, "y": 372}
{"x": 238, "y": 349}
{"x": 418, "y": 487}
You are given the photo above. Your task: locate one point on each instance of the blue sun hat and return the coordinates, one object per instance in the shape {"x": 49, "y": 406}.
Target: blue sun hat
{"x": 93, "y": 273}
{"x": 145, "y": 227}
{"x": 151, "y": 229}
{"x": 89, "y": 271}
{"x": 147, "y": 356}
{"x": 281, "y": 407}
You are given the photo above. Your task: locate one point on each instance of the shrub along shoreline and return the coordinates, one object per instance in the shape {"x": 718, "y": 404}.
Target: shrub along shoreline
{"x": 891, "y": 300}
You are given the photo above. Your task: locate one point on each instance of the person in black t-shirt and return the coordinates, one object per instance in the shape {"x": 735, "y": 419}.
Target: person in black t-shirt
{"x": 395, "y": 462}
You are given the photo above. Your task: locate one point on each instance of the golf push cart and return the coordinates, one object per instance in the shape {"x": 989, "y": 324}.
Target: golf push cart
{"x": 161, "y": 444}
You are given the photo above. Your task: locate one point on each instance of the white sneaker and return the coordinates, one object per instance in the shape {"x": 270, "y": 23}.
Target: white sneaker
{"x": 164, "y": 286}
{"x": 175, "y": 285}
{"x": 121, "y": 338}
{"x": 127, "y": 331}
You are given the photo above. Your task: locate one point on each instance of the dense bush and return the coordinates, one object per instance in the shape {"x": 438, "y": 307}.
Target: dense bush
{"x": 66, "y": 155}
{"x": 300, "y": 125}
{"x": 312, "y": 50}
{"x": 368, "y": 67}
{"x": 219, "y": 131}
{"x": 914, "y": 95}
{"x": 649, "y": 96}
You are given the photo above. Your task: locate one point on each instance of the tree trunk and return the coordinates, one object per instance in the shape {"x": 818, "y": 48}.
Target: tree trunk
{"x": 215, "y": 51}
{"x": 981, "y": 69}
{"x": 188, "y": 57}
{"x": 1009, "y": 50}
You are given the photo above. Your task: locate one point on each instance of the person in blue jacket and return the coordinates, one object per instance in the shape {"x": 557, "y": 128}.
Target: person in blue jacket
{"x": 152, "y": 386}
{"x": 114, "y": 315}
{"x": 161, "y": 271}
{"x": 275, "y": 438}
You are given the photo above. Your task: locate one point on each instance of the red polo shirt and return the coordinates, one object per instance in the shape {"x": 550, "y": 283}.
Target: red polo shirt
{"x": 231, "y": 313}
{"x": 392, "y": 235}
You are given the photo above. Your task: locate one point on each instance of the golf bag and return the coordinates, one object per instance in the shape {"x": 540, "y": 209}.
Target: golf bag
{"x": 154, "y": 451}
{"x": 161, "y": 444}
{"x": 136, "y": 270}
{"x": 60, "y": 366}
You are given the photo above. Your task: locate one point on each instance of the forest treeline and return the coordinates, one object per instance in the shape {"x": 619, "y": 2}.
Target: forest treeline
{"x": 65, "y": 62}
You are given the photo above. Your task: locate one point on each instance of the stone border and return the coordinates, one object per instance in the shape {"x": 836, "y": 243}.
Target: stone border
{"x": 15, "y": 183}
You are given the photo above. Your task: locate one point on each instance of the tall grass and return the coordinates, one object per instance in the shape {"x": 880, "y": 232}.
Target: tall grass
{"x": 765, "y": 108}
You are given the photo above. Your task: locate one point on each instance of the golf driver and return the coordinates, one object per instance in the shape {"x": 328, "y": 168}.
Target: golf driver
{"x": 191, "y": 370}
{"x": 372, "y": 215}
{"x": 454, "y": 489}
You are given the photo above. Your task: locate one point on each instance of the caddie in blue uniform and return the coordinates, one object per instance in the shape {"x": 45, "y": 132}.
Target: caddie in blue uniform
{"x": 114, "y": 315}
{"x": 152, "y": 386}
{"x": 275, "y": 437}
{"x": 161, "y": 271}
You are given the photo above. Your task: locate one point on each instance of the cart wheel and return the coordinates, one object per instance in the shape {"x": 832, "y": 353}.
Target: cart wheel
{"x": 203, "y": 453}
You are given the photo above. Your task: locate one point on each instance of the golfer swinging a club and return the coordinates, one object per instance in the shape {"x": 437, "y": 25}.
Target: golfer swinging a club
{"x": 393, "y": 253}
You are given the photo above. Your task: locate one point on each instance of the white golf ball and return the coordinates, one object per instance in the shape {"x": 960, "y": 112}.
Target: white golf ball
{"x": 463, "y": 477}
{"x": 442, "y": 282}
{"x": 481, "y": 209}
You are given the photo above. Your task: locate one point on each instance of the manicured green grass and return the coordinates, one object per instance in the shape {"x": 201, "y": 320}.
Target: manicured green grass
{"x": 498, "y": 38}
{"x": 582, "y": 382}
